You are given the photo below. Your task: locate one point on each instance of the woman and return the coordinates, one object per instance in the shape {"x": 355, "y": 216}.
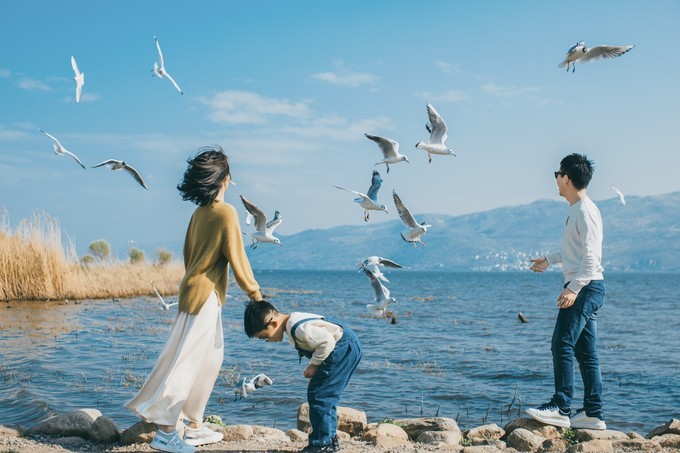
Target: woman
{"x": 184, "y": 375}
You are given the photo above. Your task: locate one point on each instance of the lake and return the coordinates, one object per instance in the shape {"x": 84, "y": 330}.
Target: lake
{"x": 458, "y": 349}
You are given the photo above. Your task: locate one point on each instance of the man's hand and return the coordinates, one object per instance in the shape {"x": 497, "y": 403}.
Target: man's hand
{"x": 539, "y": 264}
{"x": 310, "y": 370}
{"x": 566, "y": 298}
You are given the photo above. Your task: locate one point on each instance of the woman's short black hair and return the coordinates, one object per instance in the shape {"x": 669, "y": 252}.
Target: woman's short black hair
{"x": 204, "y": 176}
{"x": 255, "y": 316}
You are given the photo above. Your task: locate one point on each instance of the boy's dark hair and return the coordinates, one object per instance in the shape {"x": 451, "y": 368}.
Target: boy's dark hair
{"x": 256, "y": 316}
{"x": 579, "y": 169}
{"x": 204, "y": 176}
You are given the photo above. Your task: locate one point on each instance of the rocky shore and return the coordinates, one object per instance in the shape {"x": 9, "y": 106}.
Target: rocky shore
{"x": 89, "y": 430}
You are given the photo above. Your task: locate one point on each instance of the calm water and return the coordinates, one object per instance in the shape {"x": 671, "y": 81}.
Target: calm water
{"x": 463, "y": 354}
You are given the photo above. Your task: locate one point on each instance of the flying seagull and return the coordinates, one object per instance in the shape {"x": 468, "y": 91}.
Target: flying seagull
{"x": 79, "y": 78}
{"x": 415, "y": 229}
{"x": 381, "y": 295}
{"x": 122, "y": 165}
{"x": 160, "y": 71}
{"x": 249, "y": 386}
{"x": 579, "y": 52}
{"x": 437, "y": 130}
{"x": 390, "y": 150}
{"x": 369, "y": 202}
{"x": 162, "y": 305}
{"x": 59, "y": 149}
{"x": 264, "y": 231}
{"x": 622, "y": 198}
{"x": 377, "y": 261}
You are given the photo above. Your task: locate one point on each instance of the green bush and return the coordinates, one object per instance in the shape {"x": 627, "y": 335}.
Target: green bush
{"x": 86, "y": 260}
{"x": 163, "y": 257}
{"x": 136, "y": 255}
{"x": 100, "y": 249}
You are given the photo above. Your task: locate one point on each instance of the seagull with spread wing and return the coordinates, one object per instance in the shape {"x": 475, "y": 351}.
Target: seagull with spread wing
{"x": 369, "y": 201}
{"x": 249, "y": 386}
{"x": 79, "y": 78}
{"x": 376, "y": 262}
{"x": 381, "y": 295}
{"x": 390, "y": 151}
{"x": 160, "y": 71}
{"x": 59, "y": 148}
{"x": 264, "y": 231}
{"x": 115, "y": 165}
{"x": 415, "y": 229}
{"x": 162, "y": 304}
{"x": 622, "y": 198}
{"x": 437, "y": 130}
{"x": 579, "y": 52}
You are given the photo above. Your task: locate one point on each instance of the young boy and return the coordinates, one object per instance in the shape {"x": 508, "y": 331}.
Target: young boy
{"x": 575, "y": 333}
{"x": 334, "y": 352}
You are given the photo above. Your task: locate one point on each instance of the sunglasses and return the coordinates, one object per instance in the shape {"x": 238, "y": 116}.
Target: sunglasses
{"x": 559, "y": 173}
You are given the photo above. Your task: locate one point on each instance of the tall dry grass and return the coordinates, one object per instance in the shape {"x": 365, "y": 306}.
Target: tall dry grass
{"x": 36, "y": 265}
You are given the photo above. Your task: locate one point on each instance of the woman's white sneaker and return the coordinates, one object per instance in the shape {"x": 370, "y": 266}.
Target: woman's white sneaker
{"x": 201, "y": 436}
{"x": 581, "y": 421}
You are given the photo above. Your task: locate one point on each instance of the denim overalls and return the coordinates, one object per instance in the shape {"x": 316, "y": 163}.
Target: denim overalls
{"x": 326, "y": 386}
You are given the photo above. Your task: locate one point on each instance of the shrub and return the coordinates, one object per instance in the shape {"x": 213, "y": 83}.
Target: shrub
{"x": 163, "y": 257}
{"x": 136, "y": 255}
{"x": 100, "y": 249}
{"x": 87, "y": 260}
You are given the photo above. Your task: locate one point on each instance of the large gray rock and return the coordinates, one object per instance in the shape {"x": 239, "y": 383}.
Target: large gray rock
{"x": 103, "y": 431}
{"x": 350, "y": 420}
{"x": 233, "y": 433}
{"x": 524, "y": 440}
{"x": 139, "y": 432}
{"x": 76, "y": 423}
{"x": 670, "y": 427}
{"x": 75, "y": 442}
{"x": 593, "y": 446}
{"x": 447, "y": 438}
{"x": 585, "y": 435}
{"x": 668, "y": 440}
{"x": 415, "y": 426}
{"x": 536, "y": 427}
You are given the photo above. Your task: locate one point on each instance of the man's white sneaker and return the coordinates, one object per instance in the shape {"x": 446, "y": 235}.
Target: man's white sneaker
{"x": 549, "y": 414}
{"x": 581, "y": 420}
{"x": 201, "y": 436}
{"x": 170, "y": 442}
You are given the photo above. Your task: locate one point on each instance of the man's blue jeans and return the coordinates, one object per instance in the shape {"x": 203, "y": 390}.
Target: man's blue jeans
{"x": 575, "y": 335}
{"x": 326, "y": 386}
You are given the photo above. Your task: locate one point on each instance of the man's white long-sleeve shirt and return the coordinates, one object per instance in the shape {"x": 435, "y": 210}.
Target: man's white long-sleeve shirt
{"x": 581, "y": 253}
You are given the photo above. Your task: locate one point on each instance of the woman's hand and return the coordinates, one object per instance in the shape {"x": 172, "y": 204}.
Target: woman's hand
{"x": 310, "y": 370}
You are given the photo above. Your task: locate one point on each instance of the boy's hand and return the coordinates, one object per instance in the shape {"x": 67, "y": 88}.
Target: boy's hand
{"x": 310, "y": 370}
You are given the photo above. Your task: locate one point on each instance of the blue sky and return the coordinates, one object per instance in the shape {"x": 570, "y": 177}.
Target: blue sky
{"x": 290, "y": 88}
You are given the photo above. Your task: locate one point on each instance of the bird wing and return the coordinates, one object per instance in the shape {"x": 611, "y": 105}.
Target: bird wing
{"x": 438, "y": 129}
{"x": 74, "y": 65}
{"x": 262, "y": 380}
{"x": 403, "y": 211}
{"x": 51, "y": 137}
{"x": 605, "y": 51}
{"x": 620, "y": 194}
{"x": 388, "y": 147}
{"x": 74, "y": 156}
{"x": 273, "y": 223}
{"x": 107, "y": 162}
{"x": 174, "y": 83}
{"x": 260, "y": 218}
{"x": 380, "y": 292}
{"x": 358, "y": 194}
{"x": 376, "y": 182}
{"x": 160, "y": 54}
{"x": 158, "y": 294}
{"x": 389, "y": 263}
{"x": 135, "y": 174}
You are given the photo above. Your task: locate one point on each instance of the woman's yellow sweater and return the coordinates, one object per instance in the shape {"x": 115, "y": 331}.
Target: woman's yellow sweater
{"x": 214, "y": 243}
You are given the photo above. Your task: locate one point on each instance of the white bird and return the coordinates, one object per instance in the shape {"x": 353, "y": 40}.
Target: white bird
{"x": 390, "y": 150}
{"x": 122, "y": 165}
{"x": 437, "y": 130}
{"x": 162, "y": 305}
{"x": 579, "y": 52}
{"x": 377, "y": 261}
{"x": 381, "y": 295}
{"x": 249, "y": 386}
{"x": 416, "y": 229}
{"x": 622, "y": 198}
{"x": 59, "y": 148}
{"x": 160, "y": 71}
{"x": 264, "y": 231}
{"x": 369, "y": 201}
{"x": 79, "y": 79}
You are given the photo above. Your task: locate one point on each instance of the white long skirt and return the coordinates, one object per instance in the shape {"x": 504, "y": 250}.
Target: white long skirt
{"x": 182, "y": 380}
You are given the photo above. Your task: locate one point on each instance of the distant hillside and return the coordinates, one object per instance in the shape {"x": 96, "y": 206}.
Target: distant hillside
{"x": 644, "y": 235}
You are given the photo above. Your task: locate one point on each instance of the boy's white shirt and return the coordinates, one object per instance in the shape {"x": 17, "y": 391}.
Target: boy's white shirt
{"x": 581, "y": 253}
{"x": 317, "y": 335}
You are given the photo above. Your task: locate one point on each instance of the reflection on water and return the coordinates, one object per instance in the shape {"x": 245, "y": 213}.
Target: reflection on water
{"x": 458, "y": 350}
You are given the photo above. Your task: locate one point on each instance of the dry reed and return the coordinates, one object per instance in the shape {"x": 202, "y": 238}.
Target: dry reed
{"x": 36, "y": 265}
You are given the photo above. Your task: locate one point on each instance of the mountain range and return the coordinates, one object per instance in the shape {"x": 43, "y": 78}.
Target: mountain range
{"x": 643, "y": 235}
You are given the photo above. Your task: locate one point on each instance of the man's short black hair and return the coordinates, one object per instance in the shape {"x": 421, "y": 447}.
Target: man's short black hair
{"x": 579, "y": 169}
{"x": 256, "y": 316}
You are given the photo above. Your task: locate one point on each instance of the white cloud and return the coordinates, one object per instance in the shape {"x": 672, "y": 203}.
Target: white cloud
{"x": 32, "y": 84}
{"x": 448, "y": 68}
{"x": 338, "y": 128}
{"x": 504, "y": 91}
{"x": 345, "y": 77}
{"x": 247, "y": 107}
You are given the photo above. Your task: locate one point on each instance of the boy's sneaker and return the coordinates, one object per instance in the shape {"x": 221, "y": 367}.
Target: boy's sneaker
{"x": 550, "y": 414}
{"x": 201, "y": 436}
{"x": 581, "y": 420}
{"x": 170, "y": 442}
{"x": 336, "y": 443}
{"x": 330, "y": 448}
